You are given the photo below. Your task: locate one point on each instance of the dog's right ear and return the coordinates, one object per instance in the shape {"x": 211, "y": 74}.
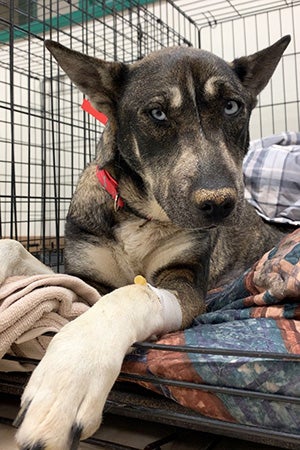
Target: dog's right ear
{"x": 101, "y": 81}
{"x": 256, "y": 70}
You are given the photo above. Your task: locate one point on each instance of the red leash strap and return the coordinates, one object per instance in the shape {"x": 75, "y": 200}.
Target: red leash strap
{"x": 87, "y": 107}
{"x": 111, "y": 186}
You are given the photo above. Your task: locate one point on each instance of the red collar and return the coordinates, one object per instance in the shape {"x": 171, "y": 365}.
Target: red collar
{"x": 105, "y": 179}
{"x": 111, "y": 186}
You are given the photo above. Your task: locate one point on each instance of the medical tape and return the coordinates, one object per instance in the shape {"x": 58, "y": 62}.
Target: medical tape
{"x": 171, "y": 310}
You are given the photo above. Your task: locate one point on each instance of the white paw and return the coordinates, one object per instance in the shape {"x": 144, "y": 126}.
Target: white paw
{"x": 65, "y": 396}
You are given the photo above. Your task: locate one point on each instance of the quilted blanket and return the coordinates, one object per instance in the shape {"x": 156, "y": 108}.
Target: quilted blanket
{"x": 260, "y": 313}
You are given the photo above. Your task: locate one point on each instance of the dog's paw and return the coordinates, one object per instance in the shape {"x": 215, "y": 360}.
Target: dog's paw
{"x": 65, "y": 396}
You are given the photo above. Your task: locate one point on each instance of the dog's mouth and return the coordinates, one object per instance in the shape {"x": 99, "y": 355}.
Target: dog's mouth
{"x": 209, "y": 227}
{"x": 192, "y": 219}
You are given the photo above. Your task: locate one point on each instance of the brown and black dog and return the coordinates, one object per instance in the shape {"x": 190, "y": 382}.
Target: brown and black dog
{"x": 164, "y": 199}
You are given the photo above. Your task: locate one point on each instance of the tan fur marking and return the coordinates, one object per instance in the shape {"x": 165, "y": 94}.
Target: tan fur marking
{"x": 187, "y": 162}
{"x": 171, "y": 250}
{"x": 136, "y": 241}
{"x": 227, "y": 156}
{"x": 176, "y": 99}
{"x": 191, "y": 88}
{"x": 136, "y": 148}
{"x": 139, "y": 238}
{"x": 210, "y": 86}
{"x": 105, "y": 259}
{"x": 231, "y": 164}
{"x": 217, "y": 196}
{"x": 156, "y": 212}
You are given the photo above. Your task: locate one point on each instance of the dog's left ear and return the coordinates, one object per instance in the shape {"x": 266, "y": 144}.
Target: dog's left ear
{"x": 256, "y": 70}
{"x": 100, "y": 80}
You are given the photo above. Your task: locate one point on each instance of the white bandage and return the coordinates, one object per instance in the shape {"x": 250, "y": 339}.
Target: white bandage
{"x": 171, "y": 311}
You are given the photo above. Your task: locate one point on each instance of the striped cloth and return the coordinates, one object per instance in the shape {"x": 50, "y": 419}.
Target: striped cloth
{"x": 272, "y": 177}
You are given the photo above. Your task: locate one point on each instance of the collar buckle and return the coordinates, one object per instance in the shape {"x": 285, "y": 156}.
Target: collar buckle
{"x": 111, "y": 186}
{"x": 116, "y": 202}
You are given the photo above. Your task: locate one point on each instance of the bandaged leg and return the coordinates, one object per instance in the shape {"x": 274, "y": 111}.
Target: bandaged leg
{"x": 67, "y": 391}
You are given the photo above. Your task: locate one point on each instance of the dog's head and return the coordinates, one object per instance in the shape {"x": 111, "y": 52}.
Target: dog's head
{"x": 178, "y": 121}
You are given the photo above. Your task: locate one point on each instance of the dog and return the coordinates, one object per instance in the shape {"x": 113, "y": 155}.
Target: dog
{"x": 163, "y": 199}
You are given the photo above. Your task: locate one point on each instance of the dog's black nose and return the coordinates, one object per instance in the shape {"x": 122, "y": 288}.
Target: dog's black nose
{"x": 214, "y": 211}
{"x": 215, "y": 205}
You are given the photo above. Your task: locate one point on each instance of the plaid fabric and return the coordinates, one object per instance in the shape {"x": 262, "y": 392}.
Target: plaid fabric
{"x": 271, "y": 176}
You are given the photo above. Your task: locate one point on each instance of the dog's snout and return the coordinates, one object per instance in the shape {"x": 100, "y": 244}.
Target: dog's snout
{"x": 215, "y": 205}
{"x": 212, "y": 210}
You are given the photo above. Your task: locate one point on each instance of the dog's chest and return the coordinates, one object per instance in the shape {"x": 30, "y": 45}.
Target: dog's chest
{"x": 143, "y": 246}
{"x": 137, "y": 238}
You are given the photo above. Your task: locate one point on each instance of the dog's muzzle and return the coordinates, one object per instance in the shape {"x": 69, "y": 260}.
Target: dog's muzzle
{"x": 216, "y": 204}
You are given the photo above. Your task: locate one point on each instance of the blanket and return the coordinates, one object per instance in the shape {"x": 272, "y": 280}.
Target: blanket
{"x": 34, "y": 303}
{"x": 242, "y": 358}
{"x": 271, "y": 177}
{"x": 257, "y": 313}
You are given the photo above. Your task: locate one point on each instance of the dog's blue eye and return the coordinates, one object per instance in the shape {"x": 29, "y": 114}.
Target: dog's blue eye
{"x": 157, "y": 114}
{"x": 231, "y": 108}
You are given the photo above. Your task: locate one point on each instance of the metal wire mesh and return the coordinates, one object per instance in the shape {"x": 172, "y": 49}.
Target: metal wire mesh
{"x": 46, "y": 139}
{"x": 213, "y": 12}
{"x": 134, "y": 403}
{"x": 254, "y": 26}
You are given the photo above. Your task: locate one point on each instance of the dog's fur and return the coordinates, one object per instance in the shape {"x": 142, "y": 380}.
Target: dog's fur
{"x": 177, "y": 135}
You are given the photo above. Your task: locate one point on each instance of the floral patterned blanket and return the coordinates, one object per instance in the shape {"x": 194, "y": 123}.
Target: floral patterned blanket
{"x": 257, "y": 313}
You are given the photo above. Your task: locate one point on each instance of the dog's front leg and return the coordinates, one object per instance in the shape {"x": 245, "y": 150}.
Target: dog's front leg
{"x": 65, "y": 396}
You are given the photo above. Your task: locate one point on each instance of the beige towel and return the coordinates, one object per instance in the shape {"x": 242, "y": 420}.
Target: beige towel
{"x": 31, "y": 305}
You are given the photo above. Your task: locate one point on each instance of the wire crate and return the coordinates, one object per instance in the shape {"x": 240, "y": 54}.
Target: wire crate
{"x": 47, "y": 139}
